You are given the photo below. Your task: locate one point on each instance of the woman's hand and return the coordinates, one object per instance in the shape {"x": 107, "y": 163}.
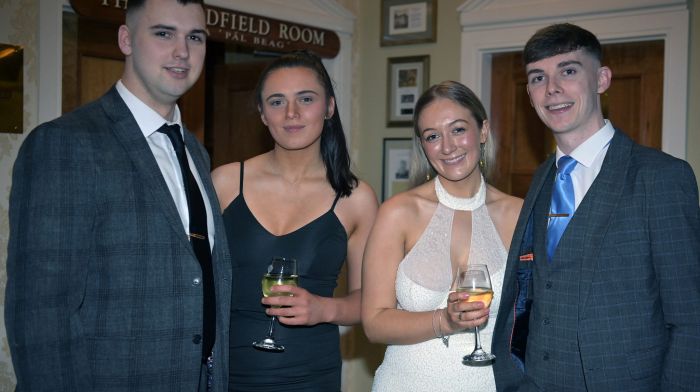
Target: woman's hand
{"x": 301, "y": 308}
{"x": 462, "y": 314}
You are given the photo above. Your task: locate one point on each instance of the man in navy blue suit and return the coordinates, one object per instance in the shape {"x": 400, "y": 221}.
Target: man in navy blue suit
{"x": 615, "y": 304}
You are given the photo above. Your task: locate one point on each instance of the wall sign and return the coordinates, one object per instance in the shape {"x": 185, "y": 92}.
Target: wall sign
{"x": 241, "y": 28}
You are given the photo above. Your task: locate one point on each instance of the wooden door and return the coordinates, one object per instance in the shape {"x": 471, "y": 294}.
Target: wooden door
{"x": 633, "y": 103}
{"x": 237, "y": 133}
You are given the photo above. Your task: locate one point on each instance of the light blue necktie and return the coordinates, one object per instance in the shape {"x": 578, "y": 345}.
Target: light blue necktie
{"x": 562, "y": 208}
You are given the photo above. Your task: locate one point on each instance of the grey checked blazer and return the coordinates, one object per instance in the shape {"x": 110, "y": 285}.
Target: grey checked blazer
{"x": 102, "y": 292}
{"x": 618, "y": 309}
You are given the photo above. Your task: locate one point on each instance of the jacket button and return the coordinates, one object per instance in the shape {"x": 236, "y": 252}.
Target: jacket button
{"x": 545, "y": 321}
{"x": 548, "y": 285}
{"x": 196, "y": 339}
{"x": 196, "y": 281}
{"x": 545, "y": 357}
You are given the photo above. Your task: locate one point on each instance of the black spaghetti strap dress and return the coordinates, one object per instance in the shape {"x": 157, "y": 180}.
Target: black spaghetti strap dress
{"x": 311, "y": 360}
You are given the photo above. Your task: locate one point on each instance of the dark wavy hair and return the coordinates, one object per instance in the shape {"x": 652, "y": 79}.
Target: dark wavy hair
{"x": 334, "y": 150}
{"x": 559, "y": 39}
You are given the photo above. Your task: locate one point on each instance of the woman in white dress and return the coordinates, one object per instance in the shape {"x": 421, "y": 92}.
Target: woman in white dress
{"x": 421, "y": 237}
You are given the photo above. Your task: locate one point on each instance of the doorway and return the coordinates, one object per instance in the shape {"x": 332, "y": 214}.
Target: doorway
{"x": 235, "y": 131}
{"x": 633, "y": 103}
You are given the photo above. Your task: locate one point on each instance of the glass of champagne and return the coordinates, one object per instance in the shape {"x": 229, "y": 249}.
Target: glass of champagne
{"x": 281, "y": 271}
{"x": 475, "y": 281}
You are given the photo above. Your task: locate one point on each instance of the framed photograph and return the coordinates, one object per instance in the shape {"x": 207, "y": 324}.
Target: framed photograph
{"x": 408, "y": 21}
{"x": 396, "y": 166}
{"x": 407, "y": 78}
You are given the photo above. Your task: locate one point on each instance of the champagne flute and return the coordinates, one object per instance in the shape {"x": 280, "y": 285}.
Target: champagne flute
{"x": 476, "y": 281}
{"x": 281, "y": 271}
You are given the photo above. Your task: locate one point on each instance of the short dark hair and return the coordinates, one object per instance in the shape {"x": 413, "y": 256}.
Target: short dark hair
{"x": 465, "y": 97}
{"x": 334, "y": 150}
{"x": 559, "y": 39}
{"x": 134, "y": 5}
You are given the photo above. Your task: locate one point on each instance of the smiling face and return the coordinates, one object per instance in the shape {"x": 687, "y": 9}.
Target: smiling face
{"x": 565, "y": 91}
{"x": 451, "y": 138}
{"x": 164, "y": 43}
{"x": 294, "y": 107}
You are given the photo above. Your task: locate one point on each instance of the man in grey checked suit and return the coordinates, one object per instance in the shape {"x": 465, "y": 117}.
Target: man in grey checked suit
{"x": 104, "y": 290}
{"x": 617, "y": 308}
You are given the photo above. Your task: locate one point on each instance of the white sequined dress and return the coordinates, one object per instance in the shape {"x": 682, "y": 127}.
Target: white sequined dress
{"x": 423, "y": 282}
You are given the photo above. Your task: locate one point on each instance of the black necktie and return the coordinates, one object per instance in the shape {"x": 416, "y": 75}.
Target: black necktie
{"x": 199, "y": 237}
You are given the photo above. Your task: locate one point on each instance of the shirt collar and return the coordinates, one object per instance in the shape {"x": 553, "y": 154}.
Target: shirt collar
{"x": 148, "y": 119}
{"x": 587, "y": 151}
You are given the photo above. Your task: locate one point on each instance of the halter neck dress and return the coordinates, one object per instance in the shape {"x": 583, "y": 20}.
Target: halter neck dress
{"x": 423, "y": 282}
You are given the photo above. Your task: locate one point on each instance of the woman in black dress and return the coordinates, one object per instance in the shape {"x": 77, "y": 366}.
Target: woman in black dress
{"x": 299, "y": 200}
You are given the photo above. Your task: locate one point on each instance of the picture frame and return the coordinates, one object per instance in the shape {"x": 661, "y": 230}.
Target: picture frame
{"x": 406, "y": 22}
{"x": 407, "y": 78}
{"x": 396, "y": 165}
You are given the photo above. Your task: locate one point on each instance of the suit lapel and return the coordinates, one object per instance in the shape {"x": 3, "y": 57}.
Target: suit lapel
{"x": 127, "y": 131}
{"x": 518, "y": 276}
{"x": 538, "y": 181}
{"x": 597, "y": 209}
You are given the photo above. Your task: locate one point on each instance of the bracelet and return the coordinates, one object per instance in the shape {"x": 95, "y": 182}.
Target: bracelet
{"x": 435, "y": 329}
{"x": 438, "y": 330}
{"x": 445, "y": 339}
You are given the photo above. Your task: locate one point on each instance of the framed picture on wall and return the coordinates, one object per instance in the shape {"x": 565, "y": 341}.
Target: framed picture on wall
{"x": 396, "y": 166}
{"x": 407, "y": 78}
{"x": 408, "y": 22}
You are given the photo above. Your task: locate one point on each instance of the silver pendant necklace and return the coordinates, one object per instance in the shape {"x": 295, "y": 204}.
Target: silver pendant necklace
{"x": 461, "y": 203}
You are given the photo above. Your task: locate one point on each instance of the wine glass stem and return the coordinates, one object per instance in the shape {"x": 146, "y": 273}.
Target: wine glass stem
{"x": 271, "y": 331}
{"x": 477, "y": 339}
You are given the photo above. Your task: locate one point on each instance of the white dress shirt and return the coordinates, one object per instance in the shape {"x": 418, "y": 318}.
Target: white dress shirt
{"x": 149, "y": 122}
{"x": 589, "y": 155}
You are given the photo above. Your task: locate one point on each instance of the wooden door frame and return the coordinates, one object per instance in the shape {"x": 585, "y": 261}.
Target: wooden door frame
{"x": 489, "y": 27}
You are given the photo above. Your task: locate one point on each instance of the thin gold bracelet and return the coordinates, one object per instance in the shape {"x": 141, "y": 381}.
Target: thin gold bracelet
{"x": 445, "y": 339}
{"x": 433, "y": 322}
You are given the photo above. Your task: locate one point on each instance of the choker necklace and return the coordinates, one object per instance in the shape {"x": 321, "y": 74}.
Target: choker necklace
{"x": 461, "y": 203}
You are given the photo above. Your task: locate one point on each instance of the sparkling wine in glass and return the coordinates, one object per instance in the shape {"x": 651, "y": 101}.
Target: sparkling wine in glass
{"x": 281, "y": 271}
{"x": 475, "y": 281}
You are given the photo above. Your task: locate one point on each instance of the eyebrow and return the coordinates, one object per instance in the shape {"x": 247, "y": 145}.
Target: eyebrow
{"x": 560, "y": 65}
{"x": 449, "y": 125}
{"x": 307, "y": 92}
{"x": 277, "y": 95}
{"x": 173, "y": 28}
